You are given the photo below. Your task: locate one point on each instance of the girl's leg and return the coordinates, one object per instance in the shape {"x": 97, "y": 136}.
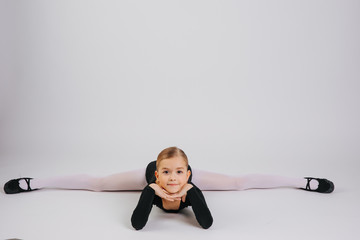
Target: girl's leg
{"x": 215, "y": 181}
{"x": 131, "y": 180}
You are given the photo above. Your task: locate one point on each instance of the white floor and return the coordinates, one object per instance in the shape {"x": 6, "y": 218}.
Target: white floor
{"x": 251, "y": 214}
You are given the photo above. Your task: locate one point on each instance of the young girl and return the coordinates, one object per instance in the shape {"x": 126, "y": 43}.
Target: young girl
{"x": 170, "y": 184}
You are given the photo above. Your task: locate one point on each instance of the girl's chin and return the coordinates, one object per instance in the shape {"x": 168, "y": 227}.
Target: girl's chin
{"x": 172, "y": 190}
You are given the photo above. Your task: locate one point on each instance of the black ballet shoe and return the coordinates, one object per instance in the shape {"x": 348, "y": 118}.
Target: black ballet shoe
{"x": 325, "y": 186}
{"x": 13, "y": 186}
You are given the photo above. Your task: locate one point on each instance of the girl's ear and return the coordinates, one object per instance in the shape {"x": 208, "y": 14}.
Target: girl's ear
{"x": 188, "y": 175}
{"x": 157, "y": 177}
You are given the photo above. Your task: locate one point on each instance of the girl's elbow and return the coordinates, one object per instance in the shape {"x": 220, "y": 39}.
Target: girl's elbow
{"x": 137, "y": 226}
{"x": 206, "y": 223}
{"x": 138, "y": 223}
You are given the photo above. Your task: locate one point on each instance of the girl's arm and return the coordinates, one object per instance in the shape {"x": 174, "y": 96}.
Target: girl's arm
{"x": 199, "y": 206}
{"x": 142, "y": 211}
{"x": 198, "y": 203}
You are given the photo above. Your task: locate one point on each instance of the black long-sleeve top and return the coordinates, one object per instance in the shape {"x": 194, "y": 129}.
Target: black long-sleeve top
{"x": 194, "y": 198}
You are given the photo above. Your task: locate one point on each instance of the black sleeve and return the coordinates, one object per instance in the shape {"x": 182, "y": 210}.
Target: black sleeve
{"x": 201, "y": 210}
{"x": 142, "y": 211}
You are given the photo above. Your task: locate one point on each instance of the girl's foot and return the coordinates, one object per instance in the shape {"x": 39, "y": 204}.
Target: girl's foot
{"x": 324, "y": 185}
{"x": 18, "y": 185}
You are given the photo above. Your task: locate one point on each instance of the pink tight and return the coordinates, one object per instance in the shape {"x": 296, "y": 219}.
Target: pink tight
{"x": 135, "y": 180}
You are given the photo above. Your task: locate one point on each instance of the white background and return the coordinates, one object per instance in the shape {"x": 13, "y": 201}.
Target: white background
{"x": 241, "y": 86}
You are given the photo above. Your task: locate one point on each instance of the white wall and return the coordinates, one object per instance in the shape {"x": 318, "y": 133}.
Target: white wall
{"x": 262, "y": 82}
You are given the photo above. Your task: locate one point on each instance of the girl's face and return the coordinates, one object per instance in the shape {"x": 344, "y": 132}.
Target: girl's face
{"x": 172, "y": 174}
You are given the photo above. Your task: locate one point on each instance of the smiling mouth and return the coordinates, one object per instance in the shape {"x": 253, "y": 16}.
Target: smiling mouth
{"x": 172, "y": 184}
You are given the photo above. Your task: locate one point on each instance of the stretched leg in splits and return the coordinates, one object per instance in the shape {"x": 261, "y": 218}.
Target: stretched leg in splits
{"x": 135, "y": 180}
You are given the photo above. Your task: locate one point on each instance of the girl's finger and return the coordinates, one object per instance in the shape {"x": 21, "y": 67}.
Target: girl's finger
{"x": 168, "y": 197}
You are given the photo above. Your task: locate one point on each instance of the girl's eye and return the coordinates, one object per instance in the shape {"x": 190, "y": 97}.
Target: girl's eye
{"x": 179, "y": 172}
{"x": 165, "y": 172}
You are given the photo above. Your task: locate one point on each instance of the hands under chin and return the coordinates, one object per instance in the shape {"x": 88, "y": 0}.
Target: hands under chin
{"x": 180, "y": 195}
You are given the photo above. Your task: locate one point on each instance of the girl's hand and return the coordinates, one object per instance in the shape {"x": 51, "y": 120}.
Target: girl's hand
{"x": 159, "y": 191}
{"x": 182, "y": 193}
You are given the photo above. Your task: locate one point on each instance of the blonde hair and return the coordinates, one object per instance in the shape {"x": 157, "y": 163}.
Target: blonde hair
{"x": 170, "y": 153}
